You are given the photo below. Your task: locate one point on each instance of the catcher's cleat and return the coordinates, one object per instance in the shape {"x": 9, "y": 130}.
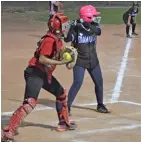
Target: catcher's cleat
{"x": 72, "y": 126}
{"x": 61, "y": 128}
{"x": 7, "y": 136}
{"x": 71, "y": 121}
{"x": 66, "y": 127}
{"x": 8, "y": 140}
{"x": 6, "y": 129}
{"x": 2, "y": 134}
{"x": 102, "y": 109}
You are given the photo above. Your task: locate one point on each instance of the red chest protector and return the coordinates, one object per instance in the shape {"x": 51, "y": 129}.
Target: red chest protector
{"x": 34, "y": 61}
{"x": 55, "y": 45}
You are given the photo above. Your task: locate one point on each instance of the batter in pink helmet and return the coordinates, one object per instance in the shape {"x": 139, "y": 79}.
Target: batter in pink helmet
{"x": 83, "y": 35}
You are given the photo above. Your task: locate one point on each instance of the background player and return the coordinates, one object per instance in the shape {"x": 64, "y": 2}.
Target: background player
{"x": 55, "y": 7}
{"x": 129, "y": 17}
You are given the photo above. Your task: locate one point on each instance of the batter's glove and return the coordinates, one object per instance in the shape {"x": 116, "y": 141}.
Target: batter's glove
{"x": 97, "y": 19}
{"x": 73, "y": 52}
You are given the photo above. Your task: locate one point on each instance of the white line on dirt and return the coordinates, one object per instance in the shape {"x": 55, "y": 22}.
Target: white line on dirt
{"x": 38, "y": 108}
{"x": 132, "y": 103}
{"x": 138, "y": 76}
{"x": 117, "y": 88}
{"x": 129, "y": 127}
{"x": 78, "y": 119}
{"x": 91, "y": 104}
{"x": 78, "y": 140}
{"x": 122, "y": 101}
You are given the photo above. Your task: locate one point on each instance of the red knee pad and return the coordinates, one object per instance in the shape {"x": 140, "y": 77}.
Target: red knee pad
{"x": 29, "y": 104}
{"x": 30, "y": 101}
{"x": 63, "y": 96}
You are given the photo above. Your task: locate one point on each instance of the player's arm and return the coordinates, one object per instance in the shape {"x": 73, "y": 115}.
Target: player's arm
{"x": 61, "y": 4}
{"x": 136, "y": 16}
{"x": 98, "y": 30}
{"x": 46, "y": 50}
{"x": 71, "y": 36}
{"x": 58, "y": 4}
{"x": 129, "y": 19}
{"x": 61, "y": 7}
{"x": 129, "y": 15}
{"x": 95, "y": 28}
{"x": 47, "y": 61}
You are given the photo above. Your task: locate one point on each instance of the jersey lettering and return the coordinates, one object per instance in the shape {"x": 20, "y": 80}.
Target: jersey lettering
{"x": 86, "y": 39}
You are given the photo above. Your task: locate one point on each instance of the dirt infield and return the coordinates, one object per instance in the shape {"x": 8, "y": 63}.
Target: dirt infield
{"x": 121, "y": 66}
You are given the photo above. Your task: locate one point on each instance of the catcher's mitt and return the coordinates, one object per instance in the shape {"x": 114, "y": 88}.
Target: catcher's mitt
{"x": 73, "y": 52}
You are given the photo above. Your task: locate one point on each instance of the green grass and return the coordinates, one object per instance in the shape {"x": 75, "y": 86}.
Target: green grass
{"x": 109, "y": 15}
{"x": 112, "y": 16}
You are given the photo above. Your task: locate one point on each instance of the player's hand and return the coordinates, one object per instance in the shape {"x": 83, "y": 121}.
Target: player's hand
{"x": 63, "y": 61}
{"x": 128, "y": 24}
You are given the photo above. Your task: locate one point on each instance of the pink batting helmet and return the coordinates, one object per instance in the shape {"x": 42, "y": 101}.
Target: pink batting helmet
{"x": 87, "y": 13}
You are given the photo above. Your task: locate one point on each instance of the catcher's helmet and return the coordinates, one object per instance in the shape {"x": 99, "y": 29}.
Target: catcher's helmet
{"x": 57, "y": 23}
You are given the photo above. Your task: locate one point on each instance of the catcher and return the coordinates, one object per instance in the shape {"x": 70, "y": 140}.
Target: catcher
{"x": 38, "y": 75}
{"x": 83, "y": 35}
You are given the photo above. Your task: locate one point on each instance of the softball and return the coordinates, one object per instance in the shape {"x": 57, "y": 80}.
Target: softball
{"x": 67, "y": 56}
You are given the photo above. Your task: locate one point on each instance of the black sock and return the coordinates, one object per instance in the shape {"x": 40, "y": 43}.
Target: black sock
{"x": 133, "y": 28}
{"x": 127, "y": 29}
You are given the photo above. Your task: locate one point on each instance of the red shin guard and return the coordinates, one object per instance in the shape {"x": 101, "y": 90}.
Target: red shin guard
{"x": 18, "y": 116}
{"x": 62, "y": 109}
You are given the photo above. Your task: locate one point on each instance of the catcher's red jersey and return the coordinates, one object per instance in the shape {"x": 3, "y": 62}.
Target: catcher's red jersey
{"x": 46, "y": 49}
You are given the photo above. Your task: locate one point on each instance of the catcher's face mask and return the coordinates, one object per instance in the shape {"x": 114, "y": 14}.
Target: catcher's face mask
{"x": 59, "y": 23}
{"x": 65, "y": 28}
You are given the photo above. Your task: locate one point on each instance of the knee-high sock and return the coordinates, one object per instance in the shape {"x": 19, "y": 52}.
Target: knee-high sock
{"x": 133, "y": 28}
{"x": 127, "y": 29}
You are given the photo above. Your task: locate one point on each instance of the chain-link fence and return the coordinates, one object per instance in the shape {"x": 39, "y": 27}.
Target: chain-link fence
{"x": 21, "y": 6}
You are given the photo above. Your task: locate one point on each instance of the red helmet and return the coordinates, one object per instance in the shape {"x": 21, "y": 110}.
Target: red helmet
{"x": 58, "y": 23}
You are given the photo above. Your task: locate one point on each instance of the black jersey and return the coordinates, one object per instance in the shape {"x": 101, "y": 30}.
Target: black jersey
{"x": 131, "y": 12}
{"x": 85, "y": 41}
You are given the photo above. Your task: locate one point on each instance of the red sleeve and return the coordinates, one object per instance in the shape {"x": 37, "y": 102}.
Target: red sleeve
{"x": 46, "y": 46}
